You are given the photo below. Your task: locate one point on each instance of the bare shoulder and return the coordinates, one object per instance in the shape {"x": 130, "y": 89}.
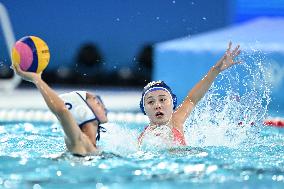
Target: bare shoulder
{"x": 182, "y": 113}
{"x": 177, "y": 123}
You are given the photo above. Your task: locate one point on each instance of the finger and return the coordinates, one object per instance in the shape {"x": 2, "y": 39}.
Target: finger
{"x": 17, "y": 68}
{"x": 237, "y": 53}
{"x": 229, "y": 46}
{"x": 236, "y": 50}
{"x": 223, "y": 58}
{"x": 14, "y": 66}
{"x": 228, "y": 51}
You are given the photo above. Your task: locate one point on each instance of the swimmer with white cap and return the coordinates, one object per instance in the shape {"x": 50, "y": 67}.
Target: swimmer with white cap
{"x": 80, "y": 113}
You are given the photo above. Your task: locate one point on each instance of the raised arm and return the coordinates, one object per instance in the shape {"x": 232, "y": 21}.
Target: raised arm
{"x": 54, "y": 103}
{"x": 200, "y": 89}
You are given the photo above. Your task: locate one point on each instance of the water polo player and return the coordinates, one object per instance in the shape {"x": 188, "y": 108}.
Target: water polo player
{"x": 160, "y": 104}
{"x": 80, "y": 114}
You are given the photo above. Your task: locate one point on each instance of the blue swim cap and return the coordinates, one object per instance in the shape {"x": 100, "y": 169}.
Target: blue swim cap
{"x": 153, "y": 86}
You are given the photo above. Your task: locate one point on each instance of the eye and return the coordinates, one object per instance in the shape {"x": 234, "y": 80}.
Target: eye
{"x": 150, "y": 102}
{"x": 163, "y": 99}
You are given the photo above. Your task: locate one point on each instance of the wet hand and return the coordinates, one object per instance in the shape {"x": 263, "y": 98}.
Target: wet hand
{"x": 28, "y": 76}
{"x": 228, "y": 58}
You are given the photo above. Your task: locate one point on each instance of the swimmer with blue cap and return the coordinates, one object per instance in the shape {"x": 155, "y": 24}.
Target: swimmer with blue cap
{"x": 159, "y": 103}
{"x": 80, "y": 114}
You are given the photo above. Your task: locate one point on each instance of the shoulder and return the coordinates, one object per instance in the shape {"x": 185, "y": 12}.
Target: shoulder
{"x": 177, "y": 123}
{"x": 183, "y": 111}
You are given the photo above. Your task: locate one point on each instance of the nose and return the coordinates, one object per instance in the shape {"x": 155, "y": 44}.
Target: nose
{"x": 157, "y": 105}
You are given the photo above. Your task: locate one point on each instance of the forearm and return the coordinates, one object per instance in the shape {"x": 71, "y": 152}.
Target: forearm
{"x": 200, "y": 89}
{"x": 58, "y": 108}
{"x": 53, "y": 101}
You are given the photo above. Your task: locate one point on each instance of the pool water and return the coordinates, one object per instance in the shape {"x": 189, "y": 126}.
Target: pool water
{"x": 33, "y": 155}
{"x": 228, "y": 146}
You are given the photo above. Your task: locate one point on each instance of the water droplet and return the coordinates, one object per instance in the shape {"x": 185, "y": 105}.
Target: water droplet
{"x": 36, "y": 186}
{"x": 58, "y": 173}
{"x": 137, "y": 172}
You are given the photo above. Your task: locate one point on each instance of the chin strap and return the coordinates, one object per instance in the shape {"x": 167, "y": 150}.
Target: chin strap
{"x": 100, "y": 129}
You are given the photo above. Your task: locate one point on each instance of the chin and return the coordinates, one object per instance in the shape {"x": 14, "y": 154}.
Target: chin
{"x": 104, "y": 121}
{"x": 161, "y": 122}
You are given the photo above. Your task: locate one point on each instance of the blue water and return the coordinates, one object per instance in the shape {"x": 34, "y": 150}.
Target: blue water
{"x": 229, "y": 147}
{"x": 33, "y": 155}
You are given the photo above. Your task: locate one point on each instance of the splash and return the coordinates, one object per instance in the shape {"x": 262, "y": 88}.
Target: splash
{"x": 119, "y": 139}
{"x": 157, "y": 139}
{"x": 122, "y": 140}
{"x": 232, "y": 111}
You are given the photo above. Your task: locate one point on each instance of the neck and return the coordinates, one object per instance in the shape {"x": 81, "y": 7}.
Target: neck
{"x": 154, "y": 125}
{"x": 90, "y": 130}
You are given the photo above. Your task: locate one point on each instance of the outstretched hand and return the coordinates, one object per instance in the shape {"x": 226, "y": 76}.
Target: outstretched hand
{"x": 228, "y": 59}
{"x": 28, "y": 76}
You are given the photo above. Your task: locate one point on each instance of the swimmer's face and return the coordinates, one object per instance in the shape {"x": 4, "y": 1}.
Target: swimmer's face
{"x": 158, "y": 106}
{"x": 98, "y": 107}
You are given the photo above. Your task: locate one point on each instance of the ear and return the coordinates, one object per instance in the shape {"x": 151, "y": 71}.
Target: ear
{"x": 88, "y": 95}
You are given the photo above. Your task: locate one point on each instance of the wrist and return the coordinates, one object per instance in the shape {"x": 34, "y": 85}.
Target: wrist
{"x": 35, "y": 79}
{"x": 216, "y": 70}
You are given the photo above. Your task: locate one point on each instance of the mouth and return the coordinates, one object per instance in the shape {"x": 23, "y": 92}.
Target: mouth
{"x": 159, "y": 114}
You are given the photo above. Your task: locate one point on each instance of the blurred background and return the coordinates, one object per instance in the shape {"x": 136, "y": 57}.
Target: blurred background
{"x": 128, "y": 43}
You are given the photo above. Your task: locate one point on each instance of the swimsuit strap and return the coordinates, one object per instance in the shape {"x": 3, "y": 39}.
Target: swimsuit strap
{"x": 142, "y": 134}
{"x": 178, "y": 136}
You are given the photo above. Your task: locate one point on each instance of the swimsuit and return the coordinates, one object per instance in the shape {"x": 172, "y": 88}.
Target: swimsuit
{"x": 178, "y": 137}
